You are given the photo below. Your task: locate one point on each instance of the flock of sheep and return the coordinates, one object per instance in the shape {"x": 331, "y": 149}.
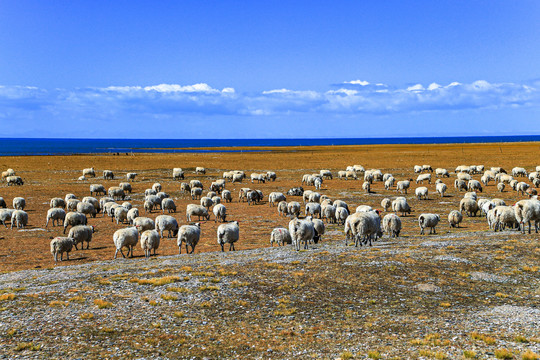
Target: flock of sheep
{"x": 363, "y": 226}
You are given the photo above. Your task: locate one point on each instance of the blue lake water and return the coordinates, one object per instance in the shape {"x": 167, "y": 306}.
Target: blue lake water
{"x": 35, "y": 146}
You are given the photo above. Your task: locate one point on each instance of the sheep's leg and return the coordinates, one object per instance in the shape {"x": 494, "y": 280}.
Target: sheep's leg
{"x": 76, "y": 248}
{"x": 67, "y": 256}
{"x": 55, "y": 257}
{"x": 222, "y": 250}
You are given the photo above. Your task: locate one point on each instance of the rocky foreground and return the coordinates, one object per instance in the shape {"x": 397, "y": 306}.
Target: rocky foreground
{"x": 464, "y": 295}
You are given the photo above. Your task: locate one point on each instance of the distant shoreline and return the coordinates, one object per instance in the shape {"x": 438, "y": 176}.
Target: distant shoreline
{"x": 63, "y": 146}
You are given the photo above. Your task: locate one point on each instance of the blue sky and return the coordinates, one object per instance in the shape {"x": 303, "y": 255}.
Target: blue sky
{"x": 232, "y": 69}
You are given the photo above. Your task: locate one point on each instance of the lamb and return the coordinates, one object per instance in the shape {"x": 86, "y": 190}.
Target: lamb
{"x": 428, "y": 221}
{"x": 89, "y": 172}
{"x": 55, "y": 214}
{"x": 423, "y": 177}
{"x": 441, "y": 172}
{"x": 301, "y": 231}
{"x": 80, "y": 234}
{"x": 386, "y": 203}
{"x": 400, "y": 205}
{"x": 5, "y": 216}
{"x": 61, "y": 245}
{"x": 116, "y": 192}
{"x": 474, "y": 185}
{"x": 197, "y": 210}
{"x": 421, "y": 193}
{"x": 126, "y": 187}
{"x": 500, "y": 187}
{"x": 131, "y": 176}
{"x": 190, "y": 236}
{"x": 126, "y": 237}
{"x": 293, "y": 208}
{"x": 527, "y": 211}
{"x": 226, "y": 195}
{"x": 166, "y": 222}
{"x": 149, "y": 241}
{"x": 441, "y": 188}
{"x": 19, "y": 218}
{"x": 455, "y": 218}
{"x": 72, "y": 204}
{"x": 318, "y": 183}
{"x": 469, "y": 206}
{"x": 178, "y": 174}
{"x": 132, "y": 214}
{"x": 200, "y": 170}
{"x": 403, "y": 185}
{"x": 169, "y": 205}
{"x": 14, "y": 180}
{"x": 196, "y": 193}
{"x": 19, "y": 203}
{"x": 228, "y": 233}
{"x": 313, "y": 209}
{"x": 57, "y": 202}
{"x": 142, "y": 223}
{"x": 270, "y": 175}
{"x": 280, "y": 236}
{"x": 74, "y": 218}
{"x": 391, "y": 225}
{"x": 97, "y": 189}
{"x": 120, "y": 214}
{"x": 220, "y": 213}
{"x": 86, "y": 209}
{"x": 108, "y": 175}
{"x": 519, "y": 171}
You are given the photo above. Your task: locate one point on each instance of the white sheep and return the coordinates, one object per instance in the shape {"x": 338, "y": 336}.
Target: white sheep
{"x": 190, "y": 236}
{"x": 280, "y": 236}
{"x": 341, "y": 215}
{"x": 89, "y": 172}
{"x": 329, "y": 213}
{"x": 14, "y": 180}
{"x": 519, "y": 171}
{"x": 505, "y": 216}
{"x": 428, "y": 221}
{"x": 301, "y": 231}
{"x": 326, "y": 174}
{"x": 19, "y": 203}
{"x": 97, "y": 189}
{"x": 178, "y": 174}
{"x": 341, "y": 203}
{"x": 93, "y": 201}
{"x": 196, "y": 193}
{"x": 314, "y": 197}
{"x": 403, "y": 185}
{"x": 228, "y": 233}
{"x": 169, "y": 205}
{"x": 400, "y": 205}
{"x": 5, "y": 216}
{"x": 108, "y": 175}
{"x": 55, "y": 214}
{"x": 282, "y": 208}
{"x": 464, "y": 176}
{"x": 200, "y": 170}
{"x": 149, "y": 241}
{"x": 126, "y": 187}
{"x": 57, "y": 202}
{"x": 19, "y": 218}
{"x": 527, "y": 211}
{"x": 166, "y": 222}
{"x": 441, "y": 172}
{"x": 131, "y": 176}
{"x": 74, "y": 218}
{"x": 142, "y": 223}
{"x": 319, "y": 230}
{"x": 86, "y": 208}
{"x": 454, "y": 218}
{"x": 226, "y": 195}
{"x": 363, "y": 208}
{"x": 132, "y": 214}
{"x": 474, "y": 185}
{"x": 206, "y": 202}
{"x": 61, "y": 245}
{"x": 417, "y": 169}
{"x": 294, "y": 208}
{"x": 423, "y": 177}
{"x": 389, "y": 183}
{"x": 365, "y": 227}
{"x": 313, "y": 209}
{"x": 126, "y": 237}
{"x": 81, "y": 178}
{"x": 460, "y": 185}
{"x": 391, "y": 224}
{"x": 127, "y": 205}
{"x": 441, "y": 188}
{"x": 270, "y": 175}
{"x": 197, "y": 210}
{"x": 386, "y": 203}
{"x": 116, "y": 192}
{"x": 469, "y": 206}
{"x": 522, "y": 187}
{"x": 80, "y": 234}
{"x": 421, "y": 193}
{"x": 366, "y": 186}
{"x": 72, "y": 204}
{"x": 220, "y": 213}
{"x": 120, "y": 214}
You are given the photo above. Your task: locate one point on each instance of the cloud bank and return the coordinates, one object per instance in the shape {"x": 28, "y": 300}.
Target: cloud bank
{"x": 352, "y": 100}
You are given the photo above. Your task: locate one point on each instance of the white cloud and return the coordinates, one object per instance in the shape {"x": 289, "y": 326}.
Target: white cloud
{"x": 358, "y": 82}
{"x": 417, "y": 87}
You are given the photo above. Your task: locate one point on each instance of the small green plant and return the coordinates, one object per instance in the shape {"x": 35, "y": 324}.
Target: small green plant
{"x": 503, "y": 354}
{"x": 169, "y": 297}
{"x": 529, "y": 355}
{"x": 87, "y": 316}
{"x": 27, "y": 346}
{"x": 469, "y": 354}
{"x": 346, "y": 355}
{"x": 102, "y": 304}
{"x": 521, "y": 339}
{"x": 374, "y": 355}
